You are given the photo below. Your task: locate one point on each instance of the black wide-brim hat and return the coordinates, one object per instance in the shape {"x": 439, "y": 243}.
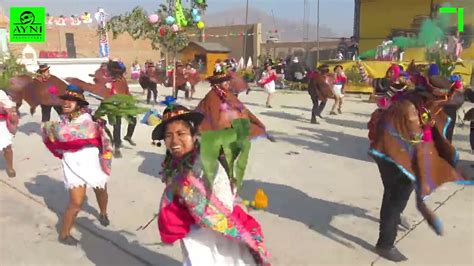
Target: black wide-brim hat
{"x": 219, "y": 78}
{"x": 115, "y": 67}
{"x": 42, "y": 68}
{"x": 74, "y": 93}
{"x": 174, "y": 113}
{"x": 439, "y": 82}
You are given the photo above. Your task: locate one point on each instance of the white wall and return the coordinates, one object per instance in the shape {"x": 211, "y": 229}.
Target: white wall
{"x": 70, "y": 67}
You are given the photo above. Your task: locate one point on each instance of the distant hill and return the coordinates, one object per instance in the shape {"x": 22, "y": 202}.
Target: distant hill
{"x": 289, "y": 31}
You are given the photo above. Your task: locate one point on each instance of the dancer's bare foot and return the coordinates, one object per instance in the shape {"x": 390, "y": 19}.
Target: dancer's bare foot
{"x": 11, "y": 173}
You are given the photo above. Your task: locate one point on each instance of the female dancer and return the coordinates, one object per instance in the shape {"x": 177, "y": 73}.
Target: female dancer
{"x": 340, "y": 80}
{"x": 86, "y": 156}
{"x": 198, "y": 209}
{"x": 8, "y": 125}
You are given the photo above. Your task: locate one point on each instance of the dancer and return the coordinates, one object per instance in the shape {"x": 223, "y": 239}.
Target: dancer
{"x": 108, "y": 81}
{"x": 220, "y": 106}
{"x": 268, "y": 83}
{"x": 197, "y": 206}
{"x": 192, "y": 78}
{"x": 409, "y": 145}
{"x": 86, "y": 156}
{"x": 136, "y": 70}
{"x": 150, "y": 82}
{"x": 319, "y": 90}
{"x": 340, "y": 80}
{"x": 8, "y": 126}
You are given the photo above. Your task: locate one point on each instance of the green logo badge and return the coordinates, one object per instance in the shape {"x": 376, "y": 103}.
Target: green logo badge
{"x": 27, "y": 24}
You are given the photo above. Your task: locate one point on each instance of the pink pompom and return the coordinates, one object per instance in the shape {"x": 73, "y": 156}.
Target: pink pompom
{"x": 427, "y": 134}
{"x": 457, "y": 85}
{"x": 53, "y": 90}
{"x": 174, "y": 28}
{"x": 153, "y": 18}
{"x": 383, "y": 103}
{"x": 224, "y": 107}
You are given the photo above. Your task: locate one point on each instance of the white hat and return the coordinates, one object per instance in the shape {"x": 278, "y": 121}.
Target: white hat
{"x": 295, "y": 60}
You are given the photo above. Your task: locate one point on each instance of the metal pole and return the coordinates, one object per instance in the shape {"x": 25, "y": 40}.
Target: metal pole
{"x": 317, "y": 35}
{"x": 245, "y": 32}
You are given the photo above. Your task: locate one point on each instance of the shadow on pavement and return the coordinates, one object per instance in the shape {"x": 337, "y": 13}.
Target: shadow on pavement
{"x": 286, "y": 116}
{"x": 55, "y": 197}
{"x": 330, "y": 142}
{"x": 298, "y": 108}
{"x": 151, "y": 164}
{"x": 94, "y": 251}
{"x": 30, "y": 128}
{"x": 346, "y": 123}
{"x": 317, "y": 214}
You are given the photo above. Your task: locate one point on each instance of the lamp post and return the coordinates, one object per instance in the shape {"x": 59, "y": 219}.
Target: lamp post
{"x": 317, "y": 34}
{"x": 245, "y": 32}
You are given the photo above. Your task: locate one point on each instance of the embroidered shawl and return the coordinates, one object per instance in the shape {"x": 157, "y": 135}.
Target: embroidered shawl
{"x": 428, "y": 161}
{"x": 73, "y": 135}
{"x": 188, "y": 201}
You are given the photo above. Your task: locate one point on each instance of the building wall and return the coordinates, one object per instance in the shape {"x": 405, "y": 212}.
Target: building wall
{"x": 377, "y": 18}
{"x": 87, "y": 44}
{"x": 124, "y": 47}
{"x": 230, "y": 38}
{"x": 187, "y": 54}
{"x": 211, "y": 60}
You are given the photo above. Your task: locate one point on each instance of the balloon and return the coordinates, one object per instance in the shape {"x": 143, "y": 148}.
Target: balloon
{"x": 200, "y": 25}
{"x": 198, "y": 1}
{"x": 194, "y": 12}
{"x": 197, "y": 18}
{"x": 153, "y": 18}
{"x": 170, "y": 20}
{"x": 175, "y": 28}
{"x": 162, "y": 31}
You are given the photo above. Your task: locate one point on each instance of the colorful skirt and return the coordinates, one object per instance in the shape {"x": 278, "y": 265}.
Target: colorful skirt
{"x": 82, "y": 168}
{"x": 6, "y": 138}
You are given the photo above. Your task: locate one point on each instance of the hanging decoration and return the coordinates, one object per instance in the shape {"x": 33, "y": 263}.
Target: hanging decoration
{"x": 153, "y": 18}
{"x": 101, "y": 17}
{"x": 200, "y": 25}
{"x": 180, "y": 18}
{"x": 73, "y": 20}
{"x": 170, "y": 20}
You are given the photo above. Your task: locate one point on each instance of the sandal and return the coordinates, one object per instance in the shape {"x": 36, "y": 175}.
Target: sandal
{"x": 104, "y": 220}
{"x": 68, "y": 240}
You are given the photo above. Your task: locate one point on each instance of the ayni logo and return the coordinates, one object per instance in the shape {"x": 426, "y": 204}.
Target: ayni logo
{"x": 27, "y": 24}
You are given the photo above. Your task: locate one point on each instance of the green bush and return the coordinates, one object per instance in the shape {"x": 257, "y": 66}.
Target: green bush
{"x": 8, "y": 69}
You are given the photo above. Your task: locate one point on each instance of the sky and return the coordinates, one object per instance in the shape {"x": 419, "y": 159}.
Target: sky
{"x": 336, "y": 14}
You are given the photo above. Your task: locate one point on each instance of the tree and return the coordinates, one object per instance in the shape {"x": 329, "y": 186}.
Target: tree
{"x": 168, "y": 28}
